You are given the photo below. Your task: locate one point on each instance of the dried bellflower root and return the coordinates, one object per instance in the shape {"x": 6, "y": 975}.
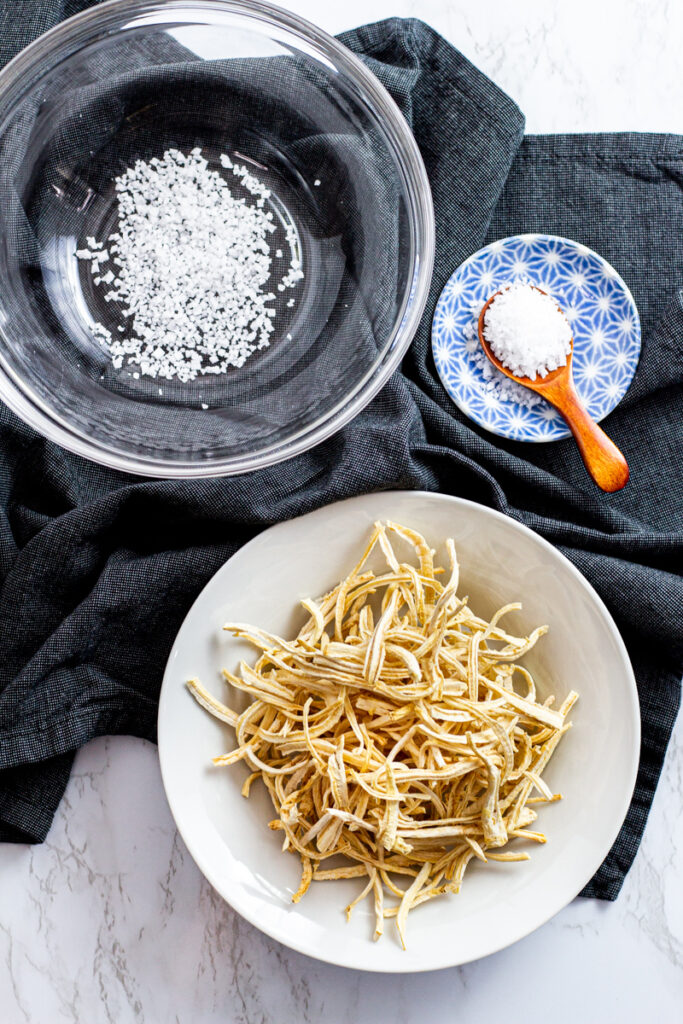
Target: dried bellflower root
{"x": 398, "y": 730}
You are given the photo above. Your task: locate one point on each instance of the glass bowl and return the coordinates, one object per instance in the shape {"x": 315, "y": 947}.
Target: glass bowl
{"x": 245, "y": 83}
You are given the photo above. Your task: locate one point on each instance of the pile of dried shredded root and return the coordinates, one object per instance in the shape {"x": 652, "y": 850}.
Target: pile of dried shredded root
{"x": 390, "y": 732}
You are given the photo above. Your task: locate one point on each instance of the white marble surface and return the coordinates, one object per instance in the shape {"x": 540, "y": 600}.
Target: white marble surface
{"x": 111, "y": 921}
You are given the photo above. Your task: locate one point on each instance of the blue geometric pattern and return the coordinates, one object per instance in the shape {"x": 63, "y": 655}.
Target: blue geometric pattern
{"x": 597, "y": 302}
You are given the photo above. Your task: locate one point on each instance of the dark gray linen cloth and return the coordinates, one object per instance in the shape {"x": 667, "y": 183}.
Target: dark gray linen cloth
{"x": 97, "y": 570}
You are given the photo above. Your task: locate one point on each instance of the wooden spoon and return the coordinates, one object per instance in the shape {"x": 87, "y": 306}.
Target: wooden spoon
{"x": 602, "y": 458}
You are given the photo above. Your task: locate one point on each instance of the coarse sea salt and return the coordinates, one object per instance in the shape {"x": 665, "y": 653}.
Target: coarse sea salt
{"x": 527, "y": 331}
{"x": 496, "y": 384}
{"x": 189, "y": 266}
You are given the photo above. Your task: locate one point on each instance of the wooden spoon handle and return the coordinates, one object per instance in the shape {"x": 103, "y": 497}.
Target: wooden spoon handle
{"x": 601, "y": 457}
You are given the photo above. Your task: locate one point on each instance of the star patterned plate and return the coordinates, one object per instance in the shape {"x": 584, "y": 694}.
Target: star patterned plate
{"x": 597, "y": 302}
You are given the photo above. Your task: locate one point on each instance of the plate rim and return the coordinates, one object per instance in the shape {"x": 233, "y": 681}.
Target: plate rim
{"x": 443, "y": 963}
{"x": 550, "y": 238}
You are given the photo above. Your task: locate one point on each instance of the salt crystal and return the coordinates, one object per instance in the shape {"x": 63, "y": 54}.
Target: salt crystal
{"x": 496, "y": 384}
{"x": 101, "y": 332}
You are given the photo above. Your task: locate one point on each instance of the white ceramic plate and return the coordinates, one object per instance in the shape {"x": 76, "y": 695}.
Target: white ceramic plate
{"x": 594, "y": 766}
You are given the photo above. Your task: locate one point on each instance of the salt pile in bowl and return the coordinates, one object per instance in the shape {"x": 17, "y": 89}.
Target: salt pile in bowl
{"x": 188, "y": 268}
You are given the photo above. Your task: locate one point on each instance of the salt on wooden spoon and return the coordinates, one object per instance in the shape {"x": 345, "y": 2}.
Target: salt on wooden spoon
{"x": 602, "y": 458}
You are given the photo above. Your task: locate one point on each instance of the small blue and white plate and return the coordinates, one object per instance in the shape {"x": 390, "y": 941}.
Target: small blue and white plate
{"x": 597, "y": 302}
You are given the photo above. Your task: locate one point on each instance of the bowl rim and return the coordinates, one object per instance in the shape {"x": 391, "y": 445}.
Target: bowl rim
{"x": 167, "y": 752}
{"x": 95, "y": 22}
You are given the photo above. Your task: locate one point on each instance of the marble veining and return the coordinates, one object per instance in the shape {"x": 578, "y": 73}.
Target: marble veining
{"x": 110, "y": 920}
{"x": 572, "y": 67}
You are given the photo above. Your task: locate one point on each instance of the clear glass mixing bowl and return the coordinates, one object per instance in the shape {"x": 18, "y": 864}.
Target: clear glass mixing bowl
{"x": 131, "y": 79}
